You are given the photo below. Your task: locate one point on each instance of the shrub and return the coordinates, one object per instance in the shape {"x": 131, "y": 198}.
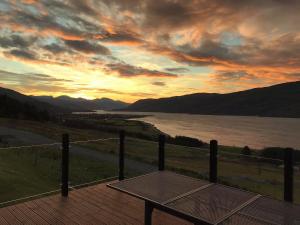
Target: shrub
{"x": 246, "y": 151}
{"x": 278, "y": 153}
{"x": 186, "y": 141}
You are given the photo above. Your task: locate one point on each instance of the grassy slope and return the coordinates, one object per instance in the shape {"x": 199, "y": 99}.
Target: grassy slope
{"x": 258, "y": 176}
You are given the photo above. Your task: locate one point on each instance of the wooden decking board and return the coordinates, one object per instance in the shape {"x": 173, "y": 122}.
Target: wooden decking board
{"x": 46, "y": 213}
{"x": 107, "y": 207}
{"x": 69, "y": 209}
{"x": 20, "y": 215}
{"x": 94, "y": 205}
{"x": 98, "y": 211}
{"x": 57, "y": 211}
{"x": 10, "y": 218}
{"x": 93, "y": 213}
{"x": 30, "y": 215}
{"x": 52, "y": 212}
{"x": 3, "y": 221}
{"x": 40, "y": 211}
{"x": 111, "y": 204}
{"x": 91, "y": 210}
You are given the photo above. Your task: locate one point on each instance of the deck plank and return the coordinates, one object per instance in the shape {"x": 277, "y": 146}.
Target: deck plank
{"x": 92, "y": 205}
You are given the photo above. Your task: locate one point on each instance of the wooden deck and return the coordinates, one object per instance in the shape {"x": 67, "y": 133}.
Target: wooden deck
{"x": 87, "y": 206}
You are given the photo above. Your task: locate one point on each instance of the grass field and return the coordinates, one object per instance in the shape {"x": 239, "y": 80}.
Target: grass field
{"x": 24, "y": 173}
{"x": 30, "y": 171}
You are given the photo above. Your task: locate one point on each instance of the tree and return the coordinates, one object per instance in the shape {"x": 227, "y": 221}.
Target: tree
{"x": 246, "y": 151}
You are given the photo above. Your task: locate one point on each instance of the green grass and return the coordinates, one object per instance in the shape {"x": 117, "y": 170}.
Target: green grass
{"x": 20, "y": 176}
{"x": 29, "y": 172}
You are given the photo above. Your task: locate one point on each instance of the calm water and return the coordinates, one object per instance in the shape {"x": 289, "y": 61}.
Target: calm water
{"x": 256, "y": 132}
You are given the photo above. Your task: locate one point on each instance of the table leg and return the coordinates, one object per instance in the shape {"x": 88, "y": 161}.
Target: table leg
{"x": 148, "y": 213}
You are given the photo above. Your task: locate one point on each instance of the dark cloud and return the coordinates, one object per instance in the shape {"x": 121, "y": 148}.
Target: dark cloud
{"x": 158, "y": 83}
{"x": 208, "y": 53}
{"x": 45, "y": 77}
{"x": 182, "y": 56}
{"x": 166, "y": 14}
{"x": 232, "y": 75}
{"x": 126, "y": 70}
{"x": 88, "y": 47}
{"x": 21, "y": 78}
{"x": 210, "y": 48}
{"x": 83, "y": 6}
{"x": 23, "y": 54}
{"x": 47, "y": 23}
{"x": 285, "y": 49}
{"x": 15, "y": 41}
{"x": 122, "y": 38}
{"x": 177, "y": 69}
{"x": 73, "y": 26}
{"x": 56, "y": 48}
{"x": 30, "y": 83}
{"x": 254, "y": 53}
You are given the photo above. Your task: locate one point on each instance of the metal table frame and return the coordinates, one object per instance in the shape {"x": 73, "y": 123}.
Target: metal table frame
{"x": 150, "y": 205}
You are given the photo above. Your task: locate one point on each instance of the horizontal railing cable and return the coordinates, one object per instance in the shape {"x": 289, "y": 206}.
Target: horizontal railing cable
{"x": 155, "y": 142}
{"x": 31, "y": 146}
{"x": 93, "y": 140}
{"x": 250, "y": 156}
{"x": 207, "y": 150}
{"x": 57, "y": 143}
{"x": 139, "y": 140}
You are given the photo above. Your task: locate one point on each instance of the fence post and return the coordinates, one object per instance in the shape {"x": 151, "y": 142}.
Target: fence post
{"x": 121, "y": 154}
{"x": 65, "y": 166}
{"x": 288, "y": 174}
{"x": 161, "y": 152}
{"x": 213, "y": 163}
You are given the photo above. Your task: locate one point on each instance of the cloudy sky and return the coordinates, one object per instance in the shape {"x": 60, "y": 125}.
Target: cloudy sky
{"x": 133, "y": 49}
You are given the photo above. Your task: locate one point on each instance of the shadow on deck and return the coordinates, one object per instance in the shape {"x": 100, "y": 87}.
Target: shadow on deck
{"x": 96, "y": 204}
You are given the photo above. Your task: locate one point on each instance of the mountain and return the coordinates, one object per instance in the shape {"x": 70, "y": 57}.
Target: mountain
{"x": 16, "y": 105}
{"x": 81, "y": 104}
{"x": 282, "y": 100}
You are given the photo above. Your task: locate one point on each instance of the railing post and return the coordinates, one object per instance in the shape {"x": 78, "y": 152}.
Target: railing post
{"x": 65, "y": 165}
{"x": 121, "y": 154}
{"x": 213, "y": 163}
{"x": 288, "y": 174}
{"x": 161, "y": 152}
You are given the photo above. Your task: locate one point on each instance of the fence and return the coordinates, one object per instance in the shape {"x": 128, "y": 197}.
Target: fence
{"x": 206, "y": 163}
{"x": 214, "y": 160}
{"x": 30, "y": 171}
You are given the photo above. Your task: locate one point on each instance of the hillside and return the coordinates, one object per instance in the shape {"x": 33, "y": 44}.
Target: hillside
{"x": 81, "y": 104}
{"x": 282, "y": 100}
{"x": 16, "y": 105}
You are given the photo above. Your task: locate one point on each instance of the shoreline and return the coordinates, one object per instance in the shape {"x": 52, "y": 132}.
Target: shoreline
{"x": 139, "y": 118}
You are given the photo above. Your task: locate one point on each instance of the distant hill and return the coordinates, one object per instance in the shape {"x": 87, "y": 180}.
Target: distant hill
{"x": 282, "y": 100}
{"x": 81, "y": 104}
{"x": 16, "y": 105}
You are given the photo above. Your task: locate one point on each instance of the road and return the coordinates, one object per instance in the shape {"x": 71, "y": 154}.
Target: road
{"x": 30, "y": 138}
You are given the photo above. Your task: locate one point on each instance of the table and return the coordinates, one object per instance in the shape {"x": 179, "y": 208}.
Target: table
{"x": 204, "y": 203}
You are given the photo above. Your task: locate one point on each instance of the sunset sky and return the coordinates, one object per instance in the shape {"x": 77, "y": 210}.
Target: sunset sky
{"x": 134, "y": 49}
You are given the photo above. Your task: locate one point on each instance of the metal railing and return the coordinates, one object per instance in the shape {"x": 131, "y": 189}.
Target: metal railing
{"x": 288, "y": 161}
{"x": 213, "y": 163}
